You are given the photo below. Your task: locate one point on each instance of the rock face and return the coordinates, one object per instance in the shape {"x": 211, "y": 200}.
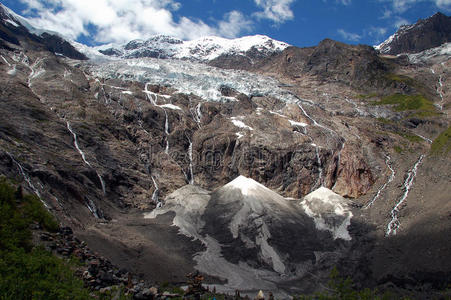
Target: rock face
{"x": 353, "y": 175}
{"x": 13, "y": 31}
{"x": 425, "y": 34}
{"x": 358, "y": 66}
{"x": 103, "y": 141}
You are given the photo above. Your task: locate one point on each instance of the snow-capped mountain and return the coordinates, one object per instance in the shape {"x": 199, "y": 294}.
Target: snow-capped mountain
{"x": 162, "y": 46}
{"x": 271, "y": 174}
{"x": 425, "y": 34}
{"x": 203, "y": 49}
{"x": 15, "y": 29}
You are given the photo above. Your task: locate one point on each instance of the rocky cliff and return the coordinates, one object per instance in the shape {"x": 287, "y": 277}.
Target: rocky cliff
{"x": 425, "y": 34}
{"x": 102, "y": 142}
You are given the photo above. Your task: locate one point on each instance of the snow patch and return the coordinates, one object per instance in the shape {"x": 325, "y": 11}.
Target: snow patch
{"x": 329, "y": 211}
{"x": 240, "y": 124}
{"x": 294, "y": 123}
{"x": 12, "y": 23}
{"x": 170, "y": 106}
{"x": 246, "y": 185}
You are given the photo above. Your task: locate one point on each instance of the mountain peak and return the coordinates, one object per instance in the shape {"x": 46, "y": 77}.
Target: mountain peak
{"x": 203, "y": 49}
{"x": 247, "y": 186}
{"x": 425, "y": 34}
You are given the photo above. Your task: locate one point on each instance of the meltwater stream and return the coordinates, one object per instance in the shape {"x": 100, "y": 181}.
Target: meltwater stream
{"x": 382, "y": 188}
{"x": 394, "y": 224}
{"x": 27, "y": 178}
{"x": 91, "y": 205}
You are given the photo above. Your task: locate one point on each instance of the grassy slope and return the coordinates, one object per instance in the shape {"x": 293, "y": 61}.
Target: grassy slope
{"x": 28, "y": 272}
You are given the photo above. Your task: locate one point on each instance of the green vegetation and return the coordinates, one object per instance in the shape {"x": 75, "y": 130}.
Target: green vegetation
{"x": 408, "y": 102}
{"x": 166, "y": 287}
{"x": 410, "y": 137}
{"x": 401, "y": 79}
{"x": 343, "y": 288}
{"x": 28, "y": 272}
{"x": 398, "y": 149}
{"x": 442, "y": 144}
{"x": 367, "y": 96}
{"x": 385, "y": 121}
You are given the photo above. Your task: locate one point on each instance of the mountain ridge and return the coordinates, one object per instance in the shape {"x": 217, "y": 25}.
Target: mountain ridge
{"x": 424, "y": 34}
{"x": 107, "y": 141}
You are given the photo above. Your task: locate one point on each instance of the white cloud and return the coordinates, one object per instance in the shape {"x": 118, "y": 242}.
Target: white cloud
{"x": 233, "y": 24}
{"x": 278, "y": 11}
{"x": 401, "y": 6}
{"x": 378, "y": 34}
{"x": 119, "y": 21}
{"x": 349, "y": 36}
{"x": 443, "y": 4}
{"x": 344, "y": 2}
{"x": 399, "y": 21}
{"x": 377, "y": 31}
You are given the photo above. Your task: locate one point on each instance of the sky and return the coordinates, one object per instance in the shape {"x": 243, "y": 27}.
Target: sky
{"x": 301, "y": 23}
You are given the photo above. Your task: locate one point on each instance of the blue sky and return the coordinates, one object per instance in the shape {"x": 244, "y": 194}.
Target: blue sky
{"x": 298, "y": 22}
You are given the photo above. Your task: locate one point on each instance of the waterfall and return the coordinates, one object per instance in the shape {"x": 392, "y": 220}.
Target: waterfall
{"x": 338, "y": 163}
{"x": 76, "y": 144}
{"x": 92, "y": 208}
{"x": 166, "y": 131}
{"x": 34, "y": 73}
{"x": 149, "y": 94}
{"x": 314, "y": 121}
{"x": 102, "y": 183}
{"x": 394, "y": 224}
{"x": 27, "y": 179}
{"x": 190, "y": 155}
{"x": 83, "y": 156}
{"x": 440, "y": 92}
{"x": 155, "y": 192}
{"x": 382, "y": 188}
{"x": 199, "y": 112}
{"x": 107, "y": 101}
{"x": 320, "y": 168}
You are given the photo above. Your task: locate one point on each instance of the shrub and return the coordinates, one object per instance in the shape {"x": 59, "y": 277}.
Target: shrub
{"x": 28, "y": 272}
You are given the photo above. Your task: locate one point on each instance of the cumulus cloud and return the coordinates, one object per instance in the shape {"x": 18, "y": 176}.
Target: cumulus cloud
{"x": 344, "y": 2}
{"x": 278, "y": 11}
{"x": 349, "y": 36}
{"x": 443, "y": 4}
{"x": 398, "y": 22}
{"x": 401, "y": 6}
{"x": 233, "y": 24}
{"x": 377, "y": 34}
{"x": 119, "y": 21}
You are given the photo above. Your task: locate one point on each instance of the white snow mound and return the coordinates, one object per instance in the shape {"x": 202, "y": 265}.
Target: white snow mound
{"x": 329, "y": 211}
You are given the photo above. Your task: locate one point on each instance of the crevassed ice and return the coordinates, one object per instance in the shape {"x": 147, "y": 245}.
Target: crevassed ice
{"x": 189, "y": 77}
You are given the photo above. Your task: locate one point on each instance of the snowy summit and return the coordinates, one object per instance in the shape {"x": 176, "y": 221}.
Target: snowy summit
{"x": 202, "y": 49}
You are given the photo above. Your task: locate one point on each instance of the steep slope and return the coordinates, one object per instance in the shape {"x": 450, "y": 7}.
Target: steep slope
{"x": 17, "y": 31}
{"x": 104, "y": 141}
{"x": 425, "y": 34}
